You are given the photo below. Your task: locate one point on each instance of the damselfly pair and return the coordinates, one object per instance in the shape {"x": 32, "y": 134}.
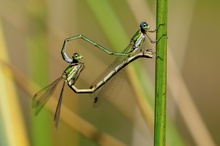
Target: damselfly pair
{"x": 70, "y": 75}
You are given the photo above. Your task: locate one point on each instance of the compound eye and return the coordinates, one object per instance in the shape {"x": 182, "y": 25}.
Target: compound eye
{"x": 76, "y": 54}
{"x": 144, "y": 26}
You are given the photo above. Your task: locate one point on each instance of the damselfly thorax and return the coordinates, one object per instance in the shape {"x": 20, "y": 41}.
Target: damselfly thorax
{"x": 72, "y": 72}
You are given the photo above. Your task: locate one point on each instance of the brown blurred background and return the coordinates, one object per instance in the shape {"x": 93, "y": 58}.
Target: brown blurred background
{"x": 32, "y": 36}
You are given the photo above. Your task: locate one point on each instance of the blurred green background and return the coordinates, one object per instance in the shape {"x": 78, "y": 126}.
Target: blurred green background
{"x": 32, "y": 34}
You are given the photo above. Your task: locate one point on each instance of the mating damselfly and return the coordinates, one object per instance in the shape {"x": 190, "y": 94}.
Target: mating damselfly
{"x": 133, "y": 48}
{"x": 70, "y": 75}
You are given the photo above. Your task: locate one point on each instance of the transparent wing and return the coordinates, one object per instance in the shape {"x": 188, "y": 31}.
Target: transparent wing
{"x": 109, "y": 90}
{"x": 57, "y": 113}
{"x": 113, "y": 65}
{"x": 103, "y": 94}
{"x": 106, "y": 92}
{"x": 41, "y": 97}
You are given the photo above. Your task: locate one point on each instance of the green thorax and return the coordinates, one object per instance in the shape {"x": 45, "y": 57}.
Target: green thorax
{"x": 73, "y": 71}
{"x": 136, "y": 36}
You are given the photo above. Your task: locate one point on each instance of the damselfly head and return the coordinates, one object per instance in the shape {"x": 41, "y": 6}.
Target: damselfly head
{"x": 77, "y": 56}
{"x": 144, "y": 26}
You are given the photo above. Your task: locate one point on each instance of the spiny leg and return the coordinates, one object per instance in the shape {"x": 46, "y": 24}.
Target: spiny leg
{"x": 152, "y": 31}
{"x": 154, "y": 41}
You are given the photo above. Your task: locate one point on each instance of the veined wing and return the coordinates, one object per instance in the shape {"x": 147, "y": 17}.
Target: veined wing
{"x": 106, "y": 92}
{"x": 116, "y": 62}
{"x": 109, "y": 90}
{"x": 57, "y": 113}
{"x": 103, "y": 94}
{"x": 41, "y": 97}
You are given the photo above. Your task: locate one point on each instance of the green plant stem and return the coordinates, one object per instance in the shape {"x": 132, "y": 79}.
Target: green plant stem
{"x": 38, "y": 65}
{"x": 161, "y": 77}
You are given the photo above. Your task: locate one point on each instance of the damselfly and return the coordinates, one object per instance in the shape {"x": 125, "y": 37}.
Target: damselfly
{"x": 70, "y": 75}
{"x": 134, "y": 46}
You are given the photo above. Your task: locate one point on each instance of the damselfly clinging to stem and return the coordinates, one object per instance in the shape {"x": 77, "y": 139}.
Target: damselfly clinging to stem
{"x": 70, "y": 75}
{"x": 72, "y": 72}
{"x": 133, "y": 48}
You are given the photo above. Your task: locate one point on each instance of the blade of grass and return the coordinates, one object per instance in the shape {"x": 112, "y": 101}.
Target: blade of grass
{"x": 161, "y": 76}
{"x": 11, "y": 116}
{"x": 188, "y": 108}
{"x": 2, "y": 131}
{"x": 108, "y": 21}
{"x": 38, "y": 65}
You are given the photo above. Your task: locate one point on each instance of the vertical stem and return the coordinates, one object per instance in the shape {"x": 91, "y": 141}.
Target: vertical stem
{"x": 161, "y": 76}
